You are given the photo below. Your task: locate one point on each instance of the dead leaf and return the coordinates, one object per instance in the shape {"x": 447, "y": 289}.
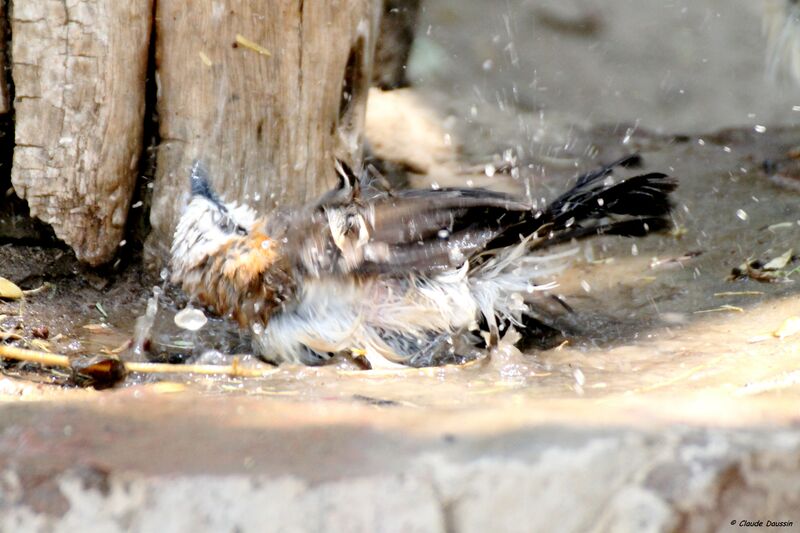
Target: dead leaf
{"x": 39, "y": 344}
{"x": 779, "y": 262}
{"x": 7, "y": 335}
{"x": 119, "y": 349}
{"x": 9, "y": 290}
{"x": 95, "y": 327}
{"x": 790, "y": 326}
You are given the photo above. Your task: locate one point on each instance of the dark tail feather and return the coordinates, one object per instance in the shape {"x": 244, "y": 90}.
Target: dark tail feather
{"x": 631, "y": 207}
{"x": 644, "y": 196}
{"x": 638, "y": 227}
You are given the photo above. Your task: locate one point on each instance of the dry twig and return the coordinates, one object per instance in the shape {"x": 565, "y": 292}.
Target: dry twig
{"x": 49, "y": 359}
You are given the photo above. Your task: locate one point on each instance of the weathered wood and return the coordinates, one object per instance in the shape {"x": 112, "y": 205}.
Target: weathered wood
{"x": 79, "y": 71}
{"x": 267, "y": 114}
{"x": 5, "y": 93}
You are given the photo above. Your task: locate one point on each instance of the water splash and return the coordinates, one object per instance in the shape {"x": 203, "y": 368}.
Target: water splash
{"x": 144, "y": 326}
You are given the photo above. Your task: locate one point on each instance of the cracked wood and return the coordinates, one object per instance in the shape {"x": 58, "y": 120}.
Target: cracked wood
{"x": 79, "y": 70}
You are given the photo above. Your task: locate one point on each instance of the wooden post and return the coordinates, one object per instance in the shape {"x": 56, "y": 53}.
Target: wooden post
{"x": 5, "y": 96}
{"x": 265, "y": 92}
{"x": 79, "y": 72}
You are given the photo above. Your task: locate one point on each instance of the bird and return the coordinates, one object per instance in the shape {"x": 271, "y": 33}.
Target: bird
{"x": 414, "y": 277}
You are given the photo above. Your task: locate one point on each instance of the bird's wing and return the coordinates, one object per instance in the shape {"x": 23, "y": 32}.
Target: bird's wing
{"x": 426, "y": 230}
{"x": 416, "y": 231}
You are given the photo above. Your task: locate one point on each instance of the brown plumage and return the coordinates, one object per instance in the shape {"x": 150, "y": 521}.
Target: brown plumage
{"x": 399, "y": 274}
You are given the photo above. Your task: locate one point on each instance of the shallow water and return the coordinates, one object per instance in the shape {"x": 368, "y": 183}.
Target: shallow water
{"x": 654, "y": 318}
{"x": 660, "y": 320}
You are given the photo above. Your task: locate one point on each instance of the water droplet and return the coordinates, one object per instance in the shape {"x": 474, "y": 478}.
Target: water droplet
{"x": 456, "y": 256}
{"x": 634, "y": 250}
{"x": 443, "y": 234}
{"x": 190, "y": 319}
{"x": 489, "y": 170}
{"x": 580, "y": 378}
{"x": 759, "y": 128}
{"x": 742, "y": 214}
{"x": 531, "y": 288}
{"x": 585, "y": 286}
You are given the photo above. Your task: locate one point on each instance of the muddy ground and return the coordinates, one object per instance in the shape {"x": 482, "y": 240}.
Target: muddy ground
{"x": 558, "y": 87}
{"x": 646, "y": 311}
{"x": 492, "y": 85}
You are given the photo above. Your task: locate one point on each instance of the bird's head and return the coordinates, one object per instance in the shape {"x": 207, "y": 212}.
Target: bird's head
{"x": 221, "y": 256}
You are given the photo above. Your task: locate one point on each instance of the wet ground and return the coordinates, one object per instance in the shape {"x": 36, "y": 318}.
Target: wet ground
{"x": 674, "y": 390}
{"x": 529, "y": 83}
{"x": 652, "y": 316}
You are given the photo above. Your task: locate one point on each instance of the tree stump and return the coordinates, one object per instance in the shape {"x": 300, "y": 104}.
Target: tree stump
{"x": 5, "y": 96}
{"x": 79, "y": 72}
{"x": 265, "y": 92}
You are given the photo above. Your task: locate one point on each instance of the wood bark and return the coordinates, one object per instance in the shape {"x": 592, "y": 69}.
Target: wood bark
{"x": 265, "y": 92}
{"x": 5, "y": 93}
{"x": 79, "y": 70}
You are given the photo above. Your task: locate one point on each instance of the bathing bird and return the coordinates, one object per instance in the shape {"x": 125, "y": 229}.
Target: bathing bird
{"x": 414, "y": 277}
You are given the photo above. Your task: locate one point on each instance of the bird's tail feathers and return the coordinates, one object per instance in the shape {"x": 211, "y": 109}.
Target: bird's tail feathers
{"x": 598, "y": 204}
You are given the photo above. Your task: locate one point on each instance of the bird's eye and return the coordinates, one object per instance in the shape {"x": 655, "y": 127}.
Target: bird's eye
{"x": 224, "y": 222}
{"x": 219, "y": 219}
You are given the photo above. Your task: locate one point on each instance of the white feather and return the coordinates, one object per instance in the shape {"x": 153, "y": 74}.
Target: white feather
{"x": 334, "y": 315}
{"x": 199, "y": 234}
